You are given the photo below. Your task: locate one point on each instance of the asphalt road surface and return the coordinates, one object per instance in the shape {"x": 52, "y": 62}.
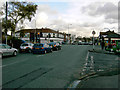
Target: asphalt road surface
{"x": 53, "y": 70}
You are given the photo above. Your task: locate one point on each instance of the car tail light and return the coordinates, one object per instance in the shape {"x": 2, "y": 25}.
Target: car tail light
{"x": 42, "y": 48}
{"x": 26, "y": 47}
{"x": 32, "y": 47}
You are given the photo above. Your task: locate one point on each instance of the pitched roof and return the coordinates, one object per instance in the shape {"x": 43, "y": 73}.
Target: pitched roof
{"x": 111, "y": 34}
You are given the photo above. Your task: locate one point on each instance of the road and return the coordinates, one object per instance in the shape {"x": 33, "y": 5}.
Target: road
{"x": 53, "y": 70}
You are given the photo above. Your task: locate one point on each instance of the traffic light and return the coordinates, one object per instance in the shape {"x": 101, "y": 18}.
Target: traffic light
{"x": 41, "y": 35}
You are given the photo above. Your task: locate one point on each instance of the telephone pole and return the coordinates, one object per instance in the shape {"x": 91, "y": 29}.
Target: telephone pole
{"x": 6, "y": 23}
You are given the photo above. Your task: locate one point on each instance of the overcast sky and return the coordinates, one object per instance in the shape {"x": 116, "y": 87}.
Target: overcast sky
{"x": 81, "y": 16}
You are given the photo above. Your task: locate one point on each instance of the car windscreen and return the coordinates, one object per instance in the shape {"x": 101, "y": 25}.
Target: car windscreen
{"x": 24, "y": 45}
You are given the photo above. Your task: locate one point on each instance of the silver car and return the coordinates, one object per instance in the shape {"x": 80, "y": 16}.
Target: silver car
{"x": 7, "y": 50}
{"x": 26, "y": 47}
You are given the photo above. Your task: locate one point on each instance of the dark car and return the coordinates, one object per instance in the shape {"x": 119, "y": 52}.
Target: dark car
{"x": 86, "y": 43}
{"x": 41, "y": 48}
{"x": 80, "y": 43}
{"x": 55, "y": 46}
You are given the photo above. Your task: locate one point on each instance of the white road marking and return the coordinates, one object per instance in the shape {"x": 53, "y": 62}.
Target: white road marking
{"x": 14, "y": 62}
{"x": 87, "y": 56}
{"x": 92, "y": 63}
{"x": 40, "y": 55}
{"x": 85, "y": 65}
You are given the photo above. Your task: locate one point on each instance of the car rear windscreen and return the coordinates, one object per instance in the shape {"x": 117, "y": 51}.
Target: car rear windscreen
{"x": 41, "y": 45}
{"x": 25, "y": 45}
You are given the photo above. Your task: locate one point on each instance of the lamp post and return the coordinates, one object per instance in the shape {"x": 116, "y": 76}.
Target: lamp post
{"x": 68, "y": 34}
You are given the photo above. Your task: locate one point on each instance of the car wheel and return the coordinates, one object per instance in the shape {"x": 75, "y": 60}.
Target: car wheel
{"x": 20, "y": 51}
{"x": 29, "y": 50}
{"x": 14, "y": 53}
{"x": 45, "y": 52}
{"x": 51, "y": 50}
{"x": 57, "y": 49}
{"x": 60, "y": 48}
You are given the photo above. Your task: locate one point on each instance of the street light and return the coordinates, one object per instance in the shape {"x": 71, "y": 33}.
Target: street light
{"x": 68, "y": 33}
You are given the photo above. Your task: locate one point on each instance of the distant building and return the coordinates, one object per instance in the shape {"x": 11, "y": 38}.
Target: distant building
{"x": 42, "y": 35}
{"x": 73, "y": 38}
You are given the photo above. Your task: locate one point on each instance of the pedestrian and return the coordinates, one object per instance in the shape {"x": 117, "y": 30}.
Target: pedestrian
{"x": 106, "y": 45}
{"x": 102, "y": 45}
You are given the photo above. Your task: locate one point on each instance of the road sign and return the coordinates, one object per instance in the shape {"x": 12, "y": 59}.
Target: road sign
{"x": 93, "y": 32}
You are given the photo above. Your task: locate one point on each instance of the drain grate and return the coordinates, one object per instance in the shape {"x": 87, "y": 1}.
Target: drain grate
{"x": 25, "y": 79}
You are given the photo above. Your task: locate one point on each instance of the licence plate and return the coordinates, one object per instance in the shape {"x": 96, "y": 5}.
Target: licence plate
{"x": 36, "y": 48}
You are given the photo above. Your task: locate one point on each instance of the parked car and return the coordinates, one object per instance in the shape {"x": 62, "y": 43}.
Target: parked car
{"x": 64, "y": 42}
{"x": 81, "y": 43}
{"x": 74, "y": 43}
{"x": 7, "y": 50}
{"x": 41, "y": 48}
{"x": 55, "y": 46}
{"x": 86, "y": 43}
{"x": 90, "y": 43}
{"x": 26, "y": 47}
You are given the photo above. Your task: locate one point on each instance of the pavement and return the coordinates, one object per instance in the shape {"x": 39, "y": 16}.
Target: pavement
{"x": 101, "y": 70}
{"x": 99, "y": 50}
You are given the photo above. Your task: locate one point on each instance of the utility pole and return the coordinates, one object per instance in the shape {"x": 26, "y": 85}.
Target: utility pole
{"x": 6, "y": 23}
{"x": 35, "y": 33}
{"x": 0, "y": 31}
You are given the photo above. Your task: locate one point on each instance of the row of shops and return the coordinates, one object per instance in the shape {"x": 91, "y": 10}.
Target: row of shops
{"x": 42, "y": 35}
{"x": 111, "y": 40}
{"x": 109, "y": 37}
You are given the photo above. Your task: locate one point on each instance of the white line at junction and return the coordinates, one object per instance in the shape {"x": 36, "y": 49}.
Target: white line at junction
{"x": 15, "y": 62}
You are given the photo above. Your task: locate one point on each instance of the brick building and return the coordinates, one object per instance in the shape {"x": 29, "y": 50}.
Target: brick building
{"x": 42, "y": 35}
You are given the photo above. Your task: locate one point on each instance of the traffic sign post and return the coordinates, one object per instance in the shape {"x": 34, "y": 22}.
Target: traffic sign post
{"x": 93, "y": 32}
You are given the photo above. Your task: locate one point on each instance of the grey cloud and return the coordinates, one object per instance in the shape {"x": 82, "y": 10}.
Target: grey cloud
{"x": 113, "y": 15}
{"x": 90, "y": 24}
{"x": 108, "y": 10}
{"x": 111, "y": 21}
